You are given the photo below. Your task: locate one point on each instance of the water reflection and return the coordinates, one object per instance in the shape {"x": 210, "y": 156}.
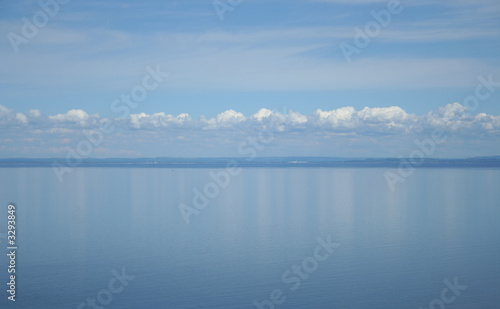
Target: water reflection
{"x": 439, "y": 224}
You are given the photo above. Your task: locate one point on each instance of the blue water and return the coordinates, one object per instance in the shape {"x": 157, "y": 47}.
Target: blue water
{"x": 395, "y": 249}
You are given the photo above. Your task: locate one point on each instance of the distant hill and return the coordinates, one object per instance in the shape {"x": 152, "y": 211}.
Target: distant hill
{"x": 166, "y": 162}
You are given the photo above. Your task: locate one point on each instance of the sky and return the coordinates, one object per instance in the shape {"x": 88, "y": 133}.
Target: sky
{"x": 203, "y": 78}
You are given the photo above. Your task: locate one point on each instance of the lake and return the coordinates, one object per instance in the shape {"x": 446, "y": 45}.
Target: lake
{"x": 261, "y": 238}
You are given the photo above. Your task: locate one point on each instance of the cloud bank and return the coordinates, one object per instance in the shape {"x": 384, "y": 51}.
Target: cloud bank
{"x": 356, "y": 131}
{"x": 384, "y": 120}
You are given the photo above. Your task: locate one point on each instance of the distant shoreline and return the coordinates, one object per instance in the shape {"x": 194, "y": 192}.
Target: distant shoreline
{"x": 333, "y": 162}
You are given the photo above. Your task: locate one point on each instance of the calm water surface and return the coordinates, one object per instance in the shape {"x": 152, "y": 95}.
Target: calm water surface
{"x": 396, "y": 248}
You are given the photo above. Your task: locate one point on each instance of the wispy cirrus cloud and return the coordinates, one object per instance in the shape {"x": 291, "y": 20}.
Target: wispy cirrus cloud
{"x": 240, "y": 59}
{"x": 91, "y": 52}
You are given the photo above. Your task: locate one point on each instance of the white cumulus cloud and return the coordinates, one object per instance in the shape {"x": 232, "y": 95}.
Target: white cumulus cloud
{"x": 229, "y": 118}
{"x": 75, "y": 116}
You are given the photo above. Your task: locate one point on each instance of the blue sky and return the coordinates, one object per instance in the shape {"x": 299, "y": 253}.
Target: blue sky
{"x": 283, "y": 56}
